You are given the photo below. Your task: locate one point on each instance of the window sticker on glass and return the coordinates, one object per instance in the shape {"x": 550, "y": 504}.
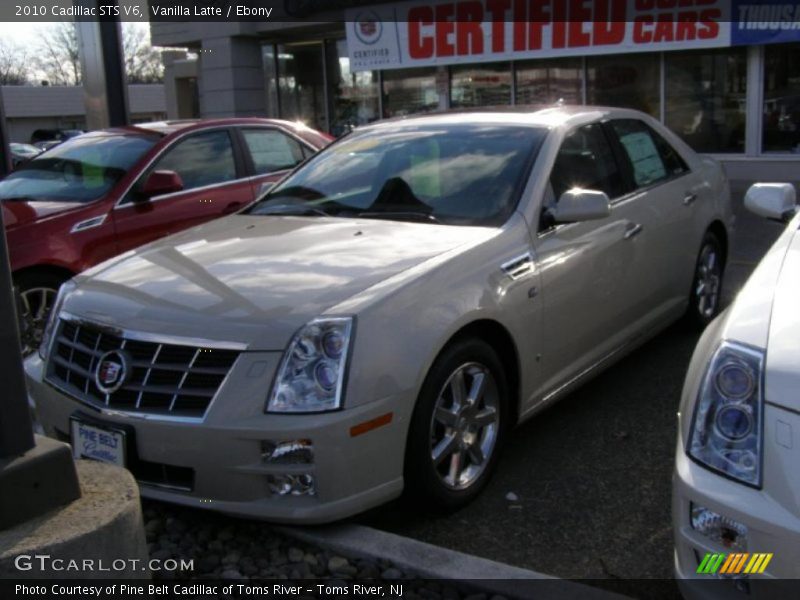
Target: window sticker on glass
{"x": 425, "y": 170}
{"x": 647, "y": 163}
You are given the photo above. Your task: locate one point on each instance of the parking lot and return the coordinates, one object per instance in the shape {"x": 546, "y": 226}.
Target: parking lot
{"x": 592, "y": 473}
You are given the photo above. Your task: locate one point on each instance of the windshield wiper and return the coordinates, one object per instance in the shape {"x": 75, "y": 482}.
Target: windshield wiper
{"x": 413, "y": 215}
{"x": 20, "y": 199}
{"x": 296, "y": 210}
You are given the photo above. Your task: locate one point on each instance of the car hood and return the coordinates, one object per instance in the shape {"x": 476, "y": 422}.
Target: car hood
{"x": 19, "y": 212}
{"x": 782, "y": 385}
{"x": 255, "y": 279}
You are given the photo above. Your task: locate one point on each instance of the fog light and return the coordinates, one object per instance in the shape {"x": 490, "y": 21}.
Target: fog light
{"x": 722, "y": 530}
{"x": 292, "y": 485}
{"x": 291, "y": 452}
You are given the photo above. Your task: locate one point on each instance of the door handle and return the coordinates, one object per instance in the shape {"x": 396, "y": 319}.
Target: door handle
{"x": 689, "y": 198}
{"x": 633, "y": 230}
{"x": 232, "y": 207}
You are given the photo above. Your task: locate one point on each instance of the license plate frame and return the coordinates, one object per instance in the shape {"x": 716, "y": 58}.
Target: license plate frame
{"x": 98, "y": 441}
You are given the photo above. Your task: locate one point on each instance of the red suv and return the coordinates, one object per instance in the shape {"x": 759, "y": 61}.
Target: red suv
{"x": 105, "y": 192}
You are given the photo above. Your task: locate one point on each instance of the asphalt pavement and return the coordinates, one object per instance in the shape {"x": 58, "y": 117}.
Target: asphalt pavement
{"x": 591, "y": 474}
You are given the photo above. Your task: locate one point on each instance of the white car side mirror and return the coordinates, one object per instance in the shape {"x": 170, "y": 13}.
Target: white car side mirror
{"x": 581, "y": 205}
{"x": 771, "y": 200}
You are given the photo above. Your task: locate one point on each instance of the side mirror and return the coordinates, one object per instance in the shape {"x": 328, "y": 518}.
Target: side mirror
{"x": 161, "y": 182}
{"x": 264, "y": 188}
{"x": 581, "y": 205}
{"x": 776, "y": 201}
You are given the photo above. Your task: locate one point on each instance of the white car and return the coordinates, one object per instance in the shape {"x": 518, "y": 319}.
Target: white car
{"x": 387, "y": 312}
{"x": 736, "y": 486}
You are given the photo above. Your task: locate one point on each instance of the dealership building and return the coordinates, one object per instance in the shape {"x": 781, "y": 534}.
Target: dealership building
{"x": 722, "y": 74}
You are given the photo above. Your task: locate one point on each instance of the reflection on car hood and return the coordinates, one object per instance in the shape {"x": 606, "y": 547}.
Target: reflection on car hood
{"x": 783, "y": 350}
{"x": 256, "y": 279}
{"x": 20, "y": 212}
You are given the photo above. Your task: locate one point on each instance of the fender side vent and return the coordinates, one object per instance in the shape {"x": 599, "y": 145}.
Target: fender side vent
{"x": 518, "y": 267}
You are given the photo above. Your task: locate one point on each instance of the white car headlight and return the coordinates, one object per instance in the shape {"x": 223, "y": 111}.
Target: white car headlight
{"x": 66, "y": 288}
{"x": 726, "y": 434}
{"x": 312, "y": 374}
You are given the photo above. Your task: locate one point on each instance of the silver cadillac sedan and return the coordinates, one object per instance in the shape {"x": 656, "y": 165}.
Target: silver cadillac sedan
{"x": 381, "y": 319}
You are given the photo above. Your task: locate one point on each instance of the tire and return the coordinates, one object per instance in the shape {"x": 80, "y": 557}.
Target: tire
{"x": 37, "y": 292}
{"x": 466, "y": 428}
{"x": 705, "y": 295}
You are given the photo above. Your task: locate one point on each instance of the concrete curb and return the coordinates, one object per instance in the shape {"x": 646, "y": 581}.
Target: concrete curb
{"x": 103, "y": 526}
{"x": 434, "y": 562}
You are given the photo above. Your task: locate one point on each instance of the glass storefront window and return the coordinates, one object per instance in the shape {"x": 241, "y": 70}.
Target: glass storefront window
{"x": 781, "y": 129}
{"x": 409, "y": 91}
{"x": 625, "y": 80}
{"x": 547, "y": 81}
{"x": 353, "y": 96}
{"x": 480, "y": 85}
{"x": 705, "y": 98}
{"x": 270, "y": 78}
{"x": 301, "y": 84}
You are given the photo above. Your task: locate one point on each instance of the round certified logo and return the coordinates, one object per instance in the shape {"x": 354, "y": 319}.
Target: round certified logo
{"x": 112, "y": 371}
{"x": 368, "y": 27}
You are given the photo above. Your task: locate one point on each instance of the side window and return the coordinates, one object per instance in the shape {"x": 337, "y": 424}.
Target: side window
{"x": 201, "y": 159}
{"x": 585, "y": 160}
{"x": 652, "y": 159}
{"x": 272, "y": 150}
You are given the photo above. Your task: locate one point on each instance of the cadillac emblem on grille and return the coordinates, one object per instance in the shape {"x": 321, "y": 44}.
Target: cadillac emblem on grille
{"x": 112, "y": 371}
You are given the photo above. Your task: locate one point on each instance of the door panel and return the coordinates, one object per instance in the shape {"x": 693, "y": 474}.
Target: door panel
{"x": 665, "y": 207}
{"x": 588, "y": 282}
{"x": 213, "y": 186}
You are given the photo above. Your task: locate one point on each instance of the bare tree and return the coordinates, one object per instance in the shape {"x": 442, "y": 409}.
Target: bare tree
{"x": 58, "y": 60}
{"x": 14, "y": 69}
{"x": 59, "y": 56}
{"x": 143, "y": 63}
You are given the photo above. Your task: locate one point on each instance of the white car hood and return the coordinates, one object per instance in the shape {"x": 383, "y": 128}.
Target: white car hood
{"x": 255, "y": 279}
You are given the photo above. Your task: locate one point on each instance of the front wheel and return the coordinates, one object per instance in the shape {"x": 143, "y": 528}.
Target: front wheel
{"x": 704, "y": 300}
{"x": 37, "y": 293}
{"x": 458, "y": 426}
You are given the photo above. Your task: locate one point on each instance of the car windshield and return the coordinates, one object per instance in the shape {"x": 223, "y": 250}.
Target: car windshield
{"x": 464, "y": 174}
{"x": 80, "y": 169}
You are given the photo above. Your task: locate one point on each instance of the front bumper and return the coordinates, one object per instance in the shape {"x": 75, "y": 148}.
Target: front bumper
{"x": 770, "y": 514}
{"x": 223, "y": 454}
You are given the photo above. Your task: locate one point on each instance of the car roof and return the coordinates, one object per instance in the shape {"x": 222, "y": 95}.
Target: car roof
{"x": 170, "y": 127}
{"x": 548, "y": 116}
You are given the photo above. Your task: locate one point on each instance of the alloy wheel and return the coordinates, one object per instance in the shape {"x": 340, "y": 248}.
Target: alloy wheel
{"x": 707, "y": 284}
{"x": 35, "y": 307}
{"x": 465, "y": 425}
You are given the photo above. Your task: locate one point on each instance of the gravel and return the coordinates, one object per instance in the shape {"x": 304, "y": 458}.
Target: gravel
{"x": 232, "y": 549}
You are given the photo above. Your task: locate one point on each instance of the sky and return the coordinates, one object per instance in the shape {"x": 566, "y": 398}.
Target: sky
{"x": 22, "y": 33}
{"x": 28, "y": 33}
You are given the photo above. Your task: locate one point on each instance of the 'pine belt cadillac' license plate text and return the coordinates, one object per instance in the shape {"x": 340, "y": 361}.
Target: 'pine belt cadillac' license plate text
{"x": 97, "y": 443}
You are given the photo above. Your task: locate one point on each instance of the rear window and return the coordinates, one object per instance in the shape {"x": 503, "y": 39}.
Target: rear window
{"x": 81, "y": 169}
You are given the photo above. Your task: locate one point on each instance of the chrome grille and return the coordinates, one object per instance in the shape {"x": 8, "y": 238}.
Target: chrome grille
{"x": 165, "y": 379}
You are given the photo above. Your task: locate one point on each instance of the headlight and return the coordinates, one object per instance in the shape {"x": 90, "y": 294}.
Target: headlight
{"x": 726, "y": 434}
{"x": 311, "y": 376}
{"x": 66, "y": 288}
